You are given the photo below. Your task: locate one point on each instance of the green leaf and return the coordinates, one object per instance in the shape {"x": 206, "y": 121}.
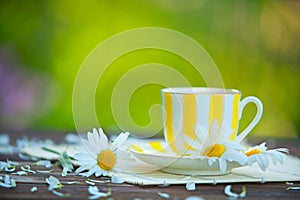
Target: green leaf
{"x": 66, "y": 163}
{"x": 64, "y": 160}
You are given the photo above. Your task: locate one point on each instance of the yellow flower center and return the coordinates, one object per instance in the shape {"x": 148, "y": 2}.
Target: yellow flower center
{"x": 106, "y": 159}
{"x": 252, "y": 152}
{"x": 216, "y": 151}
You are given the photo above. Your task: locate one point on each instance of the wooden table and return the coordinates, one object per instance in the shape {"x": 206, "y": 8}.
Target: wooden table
{"x": 129, "y": 191}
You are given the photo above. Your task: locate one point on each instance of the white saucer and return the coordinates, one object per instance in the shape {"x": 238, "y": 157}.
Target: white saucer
{"x": 160, "y": 155}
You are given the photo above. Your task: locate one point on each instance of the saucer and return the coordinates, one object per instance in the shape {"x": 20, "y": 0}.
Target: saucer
{"x": 159, "y": 154}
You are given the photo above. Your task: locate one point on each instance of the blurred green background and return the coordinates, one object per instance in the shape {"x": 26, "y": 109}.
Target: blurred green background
{"x": 255, "y": 44}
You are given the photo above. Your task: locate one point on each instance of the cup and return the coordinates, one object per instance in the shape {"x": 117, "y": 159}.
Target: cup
{"x": 187, "y": 109}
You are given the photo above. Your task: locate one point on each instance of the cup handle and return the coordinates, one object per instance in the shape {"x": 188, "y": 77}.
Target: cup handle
{"x": 256, "y": 119}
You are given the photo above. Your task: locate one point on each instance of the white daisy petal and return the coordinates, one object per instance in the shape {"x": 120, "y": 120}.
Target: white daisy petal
{"x": 226, "y": 133}
{"x": 211, "y": 161}
{"x": 45, "y": 163}
{"x": 265, "y": 160}
{"x": 97, "y": 138}
{"x": 80, "y": 169}
{"x": 33, "y": 189}
{"x": 93, "y": 139}
{"x": 228, "y": 192}
{"x": 233, "y": 155}
{"x": 260, "y": 162}
{"x": 201, "y": 133}
{"x": 215, "y": 129}
{"x": 276, "y": 156}
{"x": 283, "y": 150}
{"x": 83, "y": 156}
{"x": 222, "y": 165}
{"x": 93, "y": 190}
{"x": 99, "y": 173}
{"x": 88, "y": 164}
{"x": 90, "y": 149}
{"x": 90, "y": 137}
{"x": 164, "y": 195}
{"x": 251, "y": 159}
{"x": 86, "y": 161}
{"x": 190, "y": 186}
{"x": 83, "y": 167}
{"x": 103, "y": 139}
{"x": 93, "y": 170}
{"x": 119, "y": 141}
{"x": 8, "y": 182}
{"x": 53, "y": 183}
{"x": 262, "y": 146}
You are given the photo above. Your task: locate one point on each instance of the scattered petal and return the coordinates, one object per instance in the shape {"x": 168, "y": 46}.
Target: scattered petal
{"x": 228, "y": 192}
{"x": 164, "y": 195}
{"x": 8, "y": 182}
{"x": 72, "y": 182}
{"x": 190, "y": 186}
{"x": 21, "y": 173}
{"x": 45, "y": 163}
{"x": 26, "y": 168}
{"x": 293, "y": 188}
{"x": 98, "y": 181}
{"x": 33, "y": 189}
{"x": 94, "y": 191}
{"x": 53, "y": 183}
{"x": 60, "y": 194}
{"x": 8, "y": 166}
{"x": 90, "y": 183}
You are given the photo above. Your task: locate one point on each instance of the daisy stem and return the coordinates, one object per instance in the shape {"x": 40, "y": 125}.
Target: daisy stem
{"x": 51, "y": 150}
{"x": 55, "y": 152}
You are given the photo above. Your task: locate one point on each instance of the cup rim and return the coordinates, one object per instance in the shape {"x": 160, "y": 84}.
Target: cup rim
{"x": 199, "y": 90}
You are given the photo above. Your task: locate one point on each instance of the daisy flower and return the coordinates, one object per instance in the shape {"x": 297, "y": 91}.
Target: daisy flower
{"x": 99, "y": 156}
{"x": 260, "y": 154}
{"x": 218, "y": 146}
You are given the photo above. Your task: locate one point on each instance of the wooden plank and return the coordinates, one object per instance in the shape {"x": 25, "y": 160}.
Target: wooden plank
{"x": 129, "y": 191}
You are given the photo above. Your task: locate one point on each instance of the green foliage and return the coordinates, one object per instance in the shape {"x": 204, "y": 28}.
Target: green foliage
{"x": 255, "y": 45}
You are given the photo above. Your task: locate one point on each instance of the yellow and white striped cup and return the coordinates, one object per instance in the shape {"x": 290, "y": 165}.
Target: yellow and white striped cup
{"x": 189, "y": 108}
